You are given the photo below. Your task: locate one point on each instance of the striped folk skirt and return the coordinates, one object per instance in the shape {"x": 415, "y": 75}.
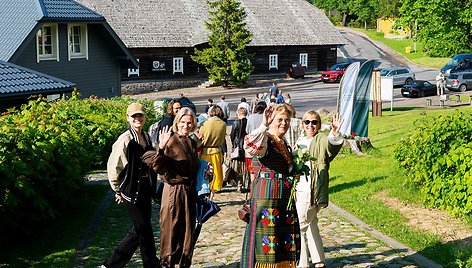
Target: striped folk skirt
{"x": 272, "y": 237}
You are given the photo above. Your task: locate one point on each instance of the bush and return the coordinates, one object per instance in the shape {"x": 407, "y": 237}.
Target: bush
{"x": 437, "y": 157}
{"x": 45, "y": 151}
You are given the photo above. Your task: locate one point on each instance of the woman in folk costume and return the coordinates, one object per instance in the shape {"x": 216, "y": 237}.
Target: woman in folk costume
{"x": 272, "y": 236}
{"x": 176, "y": 161}
{"x": 312, "y": 191}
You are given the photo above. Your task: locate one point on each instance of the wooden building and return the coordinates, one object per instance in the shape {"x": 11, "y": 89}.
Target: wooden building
{"x": 64, "y": 39}
{"x": 162, "y": 34}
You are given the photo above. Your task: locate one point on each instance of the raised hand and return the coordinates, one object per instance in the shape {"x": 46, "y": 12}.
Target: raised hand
{"x": 268, "y": 115}
{"x": 164, "y": 136}
{"x": 336, "y": 125}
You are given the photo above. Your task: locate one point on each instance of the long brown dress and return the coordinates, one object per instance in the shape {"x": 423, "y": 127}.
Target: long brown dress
{"x": 177, "y": 166}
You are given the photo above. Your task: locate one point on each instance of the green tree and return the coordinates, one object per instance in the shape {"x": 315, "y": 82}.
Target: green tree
{"x": 226, "y": 58}
{"x": 444, "y": 27}
{"x": 341, "y": 6}
{"x": 365, "y": 10}
{"x": 388, "y": 8}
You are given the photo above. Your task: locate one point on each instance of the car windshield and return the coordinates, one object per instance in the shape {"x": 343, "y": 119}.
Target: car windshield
{"x": 337, "y": 67}
{"x": 384, "y": 72}
{"x": 415, "y": 83}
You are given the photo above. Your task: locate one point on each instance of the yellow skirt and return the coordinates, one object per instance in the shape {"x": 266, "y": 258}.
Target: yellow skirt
{"x": 216, "y": 160}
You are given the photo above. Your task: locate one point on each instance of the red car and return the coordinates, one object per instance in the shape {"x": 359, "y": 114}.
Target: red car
{"x": 335, "y": 73}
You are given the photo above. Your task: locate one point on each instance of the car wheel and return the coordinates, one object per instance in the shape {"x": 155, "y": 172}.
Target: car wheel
{"x": 421, "y": 94}
{"x": 408, "y": 81}
{"x": 338, "y": 79}
{"x": 462, "y": 88}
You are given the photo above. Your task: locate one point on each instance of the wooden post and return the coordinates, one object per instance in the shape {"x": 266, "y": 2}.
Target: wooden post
{"x": 376, "y": 94}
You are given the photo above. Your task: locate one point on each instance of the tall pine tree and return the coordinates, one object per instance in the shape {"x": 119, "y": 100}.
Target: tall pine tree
{"x": 226, "y": 58}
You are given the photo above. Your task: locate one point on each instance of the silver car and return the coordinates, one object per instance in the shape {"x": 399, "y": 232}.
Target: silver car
{"x": 400, "y": 75}
{"x": 460, "y": 81}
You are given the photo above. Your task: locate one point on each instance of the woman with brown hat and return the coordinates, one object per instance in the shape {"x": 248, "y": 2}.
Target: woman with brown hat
{"x": 134, "y": 184}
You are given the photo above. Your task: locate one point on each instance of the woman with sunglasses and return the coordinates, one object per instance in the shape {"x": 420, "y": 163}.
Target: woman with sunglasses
{"x": 312, "y": 191}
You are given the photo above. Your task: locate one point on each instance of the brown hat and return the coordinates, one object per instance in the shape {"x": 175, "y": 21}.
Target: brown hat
{"x": 135, "y": 108}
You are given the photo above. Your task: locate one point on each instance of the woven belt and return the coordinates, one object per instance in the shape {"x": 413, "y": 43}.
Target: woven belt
{"x": 271, "y": 175}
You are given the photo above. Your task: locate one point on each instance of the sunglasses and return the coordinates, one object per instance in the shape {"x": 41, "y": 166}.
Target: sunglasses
{"x": 313, "y": 122}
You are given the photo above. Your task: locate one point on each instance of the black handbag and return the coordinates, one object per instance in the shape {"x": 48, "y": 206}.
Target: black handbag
{"x": 205, "y": 209}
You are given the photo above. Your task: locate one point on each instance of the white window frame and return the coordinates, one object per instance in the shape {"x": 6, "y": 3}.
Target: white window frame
{"x": 133, "y": 71}
{"x": 304, "y": 59}
{"x": 178, "y": 65}
{"x": 54, "y": 43}
{"x": 274, "y": 61}
{"x": 83, "y": 42}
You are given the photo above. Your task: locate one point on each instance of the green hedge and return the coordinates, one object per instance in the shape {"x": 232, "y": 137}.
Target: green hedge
{"x": 45, "y": 151}
{"x": 437, "y": 157}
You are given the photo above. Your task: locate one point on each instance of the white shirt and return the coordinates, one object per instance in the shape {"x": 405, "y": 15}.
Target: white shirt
{"x": 246, "y": 106}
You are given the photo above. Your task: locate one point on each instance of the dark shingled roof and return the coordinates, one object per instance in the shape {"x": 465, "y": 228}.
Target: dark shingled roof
{"x": 19, "y": 81}
{"x": 181, "y": 23}
{"x": 67, "y": 10}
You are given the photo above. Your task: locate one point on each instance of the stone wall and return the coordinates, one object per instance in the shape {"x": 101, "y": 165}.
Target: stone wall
{"x": 131, "y": 88}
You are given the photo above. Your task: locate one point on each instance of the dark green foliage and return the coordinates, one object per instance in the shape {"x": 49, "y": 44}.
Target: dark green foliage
{"x": 443, "y": 26}
{"x": 226, "y": 60}
{"x": 437, "y": 157}
{"x": 45, "y": 151}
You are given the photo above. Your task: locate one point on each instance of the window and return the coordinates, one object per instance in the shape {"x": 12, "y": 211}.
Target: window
{"x": 47, "y": 43}
{"x": 304, "y": 59}
{"x": 78, "y": 47}
{"x": 178, "y": 65}
{"x": 273, "y": 61}
{"x": 133, "y": 71}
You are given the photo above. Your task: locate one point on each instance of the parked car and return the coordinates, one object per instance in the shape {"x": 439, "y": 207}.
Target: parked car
{"x": 335, "y": 73}
{"x": 418, "y": 88}
{"x": 458, "y": 63}
{"x": 186, "y": 102}
{"x": 460, "y": 81}
{"x": 400, "y": 75}
{"x": 296, "y": 71}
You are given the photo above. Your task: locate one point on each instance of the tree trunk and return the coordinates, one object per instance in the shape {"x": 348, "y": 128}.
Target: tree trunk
{"x": 365, "y": 25}
{"x": 344, "y": 19}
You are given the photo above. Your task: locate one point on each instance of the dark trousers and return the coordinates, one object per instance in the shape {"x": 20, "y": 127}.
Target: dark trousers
{"x": 140, "y": 235}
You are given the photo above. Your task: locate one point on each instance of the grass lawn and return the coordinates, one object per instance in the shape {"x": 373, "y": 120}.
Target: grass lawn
{"x": 399, "y": 45}
{"x": 54, "y": 243}
{"x": 355, "y": 180}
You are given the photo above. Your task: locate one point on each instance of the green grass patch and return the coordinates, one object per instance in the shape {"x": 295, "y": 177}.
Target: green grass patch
{"x": 356, "y": 180}
{"x": 54, "y": 244}
{"x": 399, "y": 45}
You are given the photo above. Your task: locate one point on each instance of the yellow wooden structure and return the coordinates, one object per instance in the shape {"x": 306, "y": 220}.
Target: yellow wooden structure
{"x": 385, "y": 25}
